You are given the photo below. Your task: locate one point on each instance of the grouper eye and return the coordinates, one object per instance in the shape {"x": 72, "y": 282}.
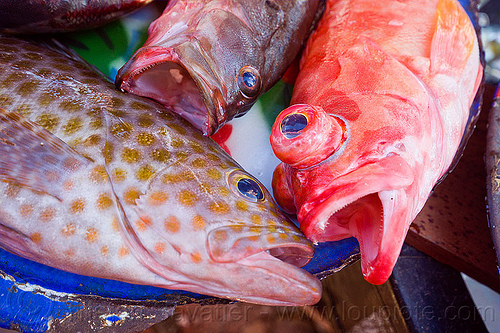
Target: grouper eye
{"x": 246, "y": 187}
{"x": 249, "y": 81}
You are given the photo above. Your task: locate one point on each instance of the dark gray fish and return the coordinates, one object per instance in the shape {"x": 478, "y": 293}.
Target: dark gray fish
{"x": 493, "y": 170}
{"x": 210, "y": 60}
{"x": 46, "y": 16}
{"x": 112, "y": 185}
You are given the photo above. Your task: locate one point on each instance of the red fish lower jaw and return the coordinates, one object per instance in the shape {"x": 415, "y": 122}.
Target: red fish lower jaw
{"x": 161, "y": 74}
{"x": 364, "y": 205}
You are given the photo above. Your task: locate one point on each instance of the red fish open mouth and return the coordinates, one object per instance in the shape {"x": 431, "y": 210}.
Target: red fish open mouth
{"x": 183, "y": 85}
{"x": 370, "y": 204}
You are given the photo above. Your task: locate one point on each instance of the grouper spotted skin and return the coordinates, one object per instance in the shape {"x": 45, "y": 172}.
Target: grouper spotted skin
{"x": 210, "y": 60}
{"x": 111, "y": 185}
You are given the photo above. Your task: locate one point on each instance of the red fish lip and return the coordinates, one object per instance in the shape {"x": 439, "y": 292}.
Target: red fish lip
{"x": 367, "y": 204}
{"x": 200, "y": 99}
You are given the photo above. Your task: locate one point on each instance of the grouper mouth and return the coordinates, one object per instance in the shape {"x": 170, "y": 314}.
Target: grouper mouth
{"x": 178, "y": 78}
{"x": 269, "y": 258}
{"x": 289, "y": 286}
{"x": 224, "y": 244}
{"x": 257, "y": 268}
{"x": 259, "y": 264}
{"x": 369, "y": 204}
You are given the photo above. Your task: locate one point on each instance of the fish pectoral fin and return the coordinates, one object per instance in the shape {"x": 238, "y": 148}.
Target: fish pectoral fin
{"x": 453, "y": 39}
{"x": 16, "y": 242}
{"x": 59, "y": 45}
{"x": 33, "y": 157}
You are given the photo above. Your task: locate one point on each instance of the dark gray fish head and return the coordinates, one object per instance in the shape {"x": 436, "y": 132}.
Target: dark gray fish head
{"x": 210, "y": 60}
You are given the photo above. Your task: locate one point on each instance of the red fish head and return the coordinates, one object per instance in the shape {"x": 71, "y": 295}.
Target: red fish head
{"x": 343, "y": 180}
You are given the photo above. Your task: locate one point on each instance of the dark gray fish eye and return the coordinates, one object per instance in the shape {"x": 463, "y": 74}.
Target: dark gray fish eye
{"x": 249, "y": 81}
{"x": 292, "y": 124}
{"x": 250, "y": 189}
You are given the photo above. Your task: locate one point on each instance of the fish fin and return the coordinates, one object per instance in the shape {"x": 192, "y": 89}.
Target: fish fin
{"x": 60, "y": 45}
{"x": 453, "y": 39}
{"x": 16, "y": 242}
{"x": 33, "y": 157}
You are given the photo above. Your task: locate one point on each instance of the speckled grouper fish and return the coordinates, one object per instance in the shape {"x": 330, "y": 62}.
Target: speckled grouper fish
{"x": 106, "y": 184}
{"x": 210, "y": 60}
{"x": 380, "y": 106}
{"x": 46, "y": 16}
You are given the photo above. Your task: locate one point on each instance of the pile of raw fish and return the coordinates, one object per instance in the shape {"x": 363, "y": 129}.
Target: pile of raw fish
{"x": 98, "y": 181}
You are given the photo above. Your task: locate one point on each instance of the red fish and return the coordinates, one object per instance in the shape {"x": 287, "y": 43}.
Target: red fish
{"x": 380, "y": 106}
{"x": 210, "y": 60}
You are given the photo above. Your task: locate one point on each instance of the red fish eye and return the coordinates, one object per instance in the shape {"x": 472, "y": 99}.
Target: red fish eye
{"x": 292, "y": 124}
{"x": 304, "y": 135}
{"x": 249, "y": 81}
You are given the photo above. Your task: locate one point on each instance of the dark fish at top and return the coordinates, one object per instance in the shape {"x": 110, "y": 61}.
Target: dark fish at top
{"x": 46, "y": 16}
{"x": 211, "y": 60}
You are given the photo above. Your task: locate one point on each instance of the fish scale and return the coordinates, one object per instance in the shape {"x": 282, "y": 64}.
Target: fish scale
{"x": 132, "y": 192}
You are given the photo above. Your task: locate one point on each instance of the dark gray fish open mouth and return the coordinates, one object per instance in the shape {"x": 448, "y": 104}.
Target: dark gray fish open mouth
{"x": 187, "y": 87}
